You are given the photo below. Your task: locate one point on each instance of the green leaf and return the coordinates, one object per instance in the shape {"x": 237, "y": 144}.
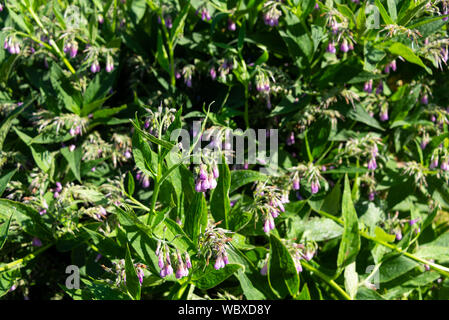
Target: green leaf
{"x": 360, "y": 114}
{"x": 42, "y": 157}
{"x": 28, "y": 218}
{"x": 383, "y": 12}
{"x": 395, "y": 267}
{"x": 5, "y": 179}
{"x": 350, "y": 242}
{"x": 145, "y": 158}
{"x": 74, "y": 160}
{"x": 4, "y": 228}
{"x": 351, "y": 280}
{"x": 391, "y": 4}
{"x": 219, "y": 201}
{"x": 132, "y": 280}
{"x": 212, "y": 277}
{"x": 130, "y": 183}
{"x": 304, "y": 294}
{"x": 282, "y": 274}
{"x": 137, "y": 10}
{"x": 196, "y": 217}
{"x": 402, "y": 50}
{"x": 169, "y": 146}
{"x": 383, "y": 236}
{"x": 241, "y": 177}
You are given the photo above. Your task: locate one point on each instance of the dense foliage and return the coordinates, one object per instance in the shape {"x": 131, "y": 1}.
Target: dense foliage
{"x": 93, "y": 176}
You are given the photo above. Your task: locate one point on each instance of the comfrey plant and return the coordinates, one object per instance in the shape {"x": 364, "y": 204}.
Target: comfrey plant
{"x": 188, "y": 146}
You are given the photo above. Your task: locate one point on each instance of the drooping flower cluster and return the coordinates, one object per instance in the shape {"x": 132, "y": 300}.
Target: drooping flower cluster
{"x": 143, "y": 178}
{"x": 363, "y": 147}
{"x": 72, "y": 48}
{"x": 118, "y": 268}
{"x": 213, "y": 243}
{"x": 271, "y": 13}
{"x": 310, "y": 172}
{"x": 12, "y": 45}
{"x": 206, "y": 177}
{"x": 187, "y": 72}
{"x": 204, "y": 13}
{"x": 269, "y": 203}
{"x": 181, "y": 262}
{"x": 48, "y": 121}
{"x": 394, "y": 225}
{"x": 157, "y": 122}
{"x": 339, "y": 33}
{"x": 299, "y": 251}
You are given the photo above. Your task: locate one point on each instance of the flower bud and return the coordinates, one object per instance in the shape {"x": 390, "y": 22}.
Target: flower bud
{"x": 331, "y": 48}
{"x": 213, "y": 73}
{"x": 344, "y": 46}
{"x": 231, "y": 25}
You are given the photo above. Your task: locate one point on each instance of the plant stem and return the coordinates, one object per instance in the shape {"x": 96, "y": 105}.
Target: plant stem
{"x": 329, "y": 281}
{"x": 52, "y": 42}
{"x": 438, "y": 268}
{"x": 19, "y": 262}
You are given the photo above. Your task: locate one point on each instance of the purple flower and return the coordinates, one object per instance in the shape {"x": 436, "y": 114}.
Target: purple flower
{"x": 344, "y": 46}
{"x": 188, "y": 263}
{"x": 372, "y": 165}
{"x": 383, "y": 115}
{"x": 371, "y": 196}
{"x": 298, "y": 265}
{"x": 296, "y": 184}
{"x": 213, "y": 183}
{"x": 202, "y": 174}
{"x": 315, "y": 187}
{"x": 413, "y": 221}
{"x": 368, "y": 86}
{"x": 205, "y": 184}
{"x": 264, "y": 269}
{"x": 146, "y": 182}
{"x": 291, "y": 138}
{"x": 393, "y": 65}
{"x": 231, "y": 25}
{"x": 433, "y": 162}
{"x": 36, "y": 242}
{"x": 380, "y": 88}
{"x": 219, "y": 263}
{"x": 215, "y": 172}
{"x": 213, "y": 73}
{"x": 140, "y": 275}
{"x": 95, "y": 67}
{"x": 109, "y": 66}
{"x": 399, "y": 235}
{"x": 331, "y": 48}
{"x": 168, "y": 269}
{"x": 425, "y": 99}
{"x": 161, "y": 260}
{"x": 168, "y": 22}
{"x": 198, "y": 186}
